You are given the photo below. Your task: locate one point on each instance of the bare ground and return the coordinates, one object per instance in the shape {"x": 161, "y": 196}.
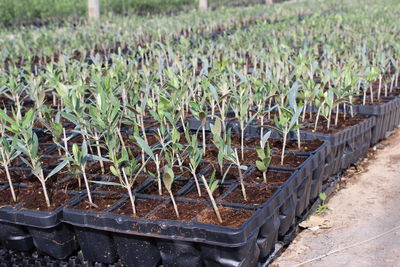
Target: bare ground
{"x": 361, "y": 227}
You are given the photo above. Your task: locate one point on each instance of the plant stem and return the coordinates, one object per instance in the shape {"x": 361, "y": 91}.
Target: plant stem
{"x": 364, "y": 97}
{"x": 337, "y": 115}
{"x": 240, "y": 176}
{"x": 174, "y": 203}
{"x": 316, "y": 119}
{"x": 264, "y": 176}
{"x": 143, "y": 128}
{"x": 304, "y": 110}
{"x": 5, "y": 164}
{"x": 87, "y": 185}
{"x": 157, "y": 162}
{"x": 262, "y": 128}
{"x": 372, "y": 93}
{"x": 120, "y": 137}
{"x": 216, "y": 210}
{"x": 43, "y": 182}
{"x": 65, "y": 143}
{"x": 193, "y": 170}
{"x": 298, "y": 136}
{"x": 284, "y": 146}
{"x": 242, "y": 140}
{"x": 129, "y": 192}
{"x": 329, "y": 119}
{"x": 96, "y": 136}
{"x": 204, "y": 138}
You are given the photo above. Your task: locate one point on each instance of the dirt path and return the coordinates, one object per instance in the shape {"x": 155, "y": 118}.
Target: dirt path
{"x": 367, "y": 207}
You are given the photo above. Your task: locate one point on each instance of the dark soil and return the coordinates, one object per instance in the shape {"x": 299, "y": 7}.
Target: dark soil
{"x": 17, "y": 176}
{"x": 102, "y": 201}
{"x": 153, "y": 188}
{"x": 291, "y": 160}
{"x": 232, "y": 175}
{"x": 230, "y": 217}
{"x": 377, "y": 102}
{"x": 276, "y": 144}
{"x": 273, "y": 178}
{"x": 143, "y": 207}
{"x": 343, "y": 123}
{"x": 250, "y": 157}
{"x": 184, "y": 171}
{"x": 187, "y": 211}
{"x": 139, "y": 181}
{"x": 193, "y": 194}
{"x": 291, "y": 145}
{"x": 33, "y": 199}
{"x": 6, "y": 197}
{"x": 256, "y": 195}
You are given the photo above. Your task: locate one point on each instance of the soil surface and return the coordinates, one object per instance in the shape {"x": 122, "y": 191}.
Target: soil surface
{"x": 365, "y": 208}
{"x": 230, "y": 217}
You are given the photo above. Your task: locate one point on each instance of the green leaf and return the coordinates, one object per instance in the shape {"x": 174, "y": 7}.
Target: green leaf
{"x": 75, "y": 152}
{"x": 106, "y": 183}
{"x": 143, "y": 145}
{"x": 260, "y": 165}
{"x": 29, "y": 117}
{"x": 57, "y": 169}
{"x": 84, "y": 148}
{"x": 175, "y": 135}
{"x": 35, "y": 145}
{"x": 265, "y": 138}
{"x": 261, "y": 153}
{"x": 196, "y": 107}
{"x": 168, "y": 178}
{"x": 114, "y": 171}
{"x": 217, "y": 127}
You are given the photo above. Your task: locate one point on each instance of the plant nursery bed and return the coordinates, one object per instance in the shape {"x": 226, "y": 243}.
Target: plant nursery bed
{"x": 387, "y": 117}
{"x": 348, "y": 144}
{"x": 246, "y": 225}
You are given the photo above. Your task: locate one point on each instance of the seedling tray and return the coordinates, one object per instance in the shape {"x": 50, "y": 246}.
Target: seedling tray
{"x": 24, "y": 229}
{"x": 347, "y": 146}
{"x": 387, "y": 117}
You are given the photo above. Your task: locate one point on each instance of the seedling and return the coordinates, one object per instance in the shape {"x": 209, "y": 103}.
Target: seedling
{"x": 286, "y": 122}
{"x": 201, "y": 115}
{"x": 78, "y": 160}
{"x": 323, "y": 207}
{"x": 8, "y": 152}
{"x": 211, "y": 187}
{"x": 194, "y": 155}
{"x": 168, "y": 178}
{"x": 264, "y": 154}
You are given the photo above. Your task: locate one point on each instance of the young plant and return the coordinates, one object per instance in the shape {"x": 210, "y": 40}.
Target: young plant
{"x": 286, "y": 122}
{"x": 211, "y": 187}
{"x": 234, "y": 158}
{"x": 264, "y": 154}
{"x": 28, "y": 144}
{"x": 195, "y": 156}
{"x": 55, "y": 127}
{"x": 223, "y": 143}
{"x": 168, "y": 178}
{"x": 200, "y": 114}
{"x": 8, "y": 152}
{"x": 78, "y": 160}
{"x": 155, "y": 157}
{"x": 241, "y": 107}
{"x": 126, "y": 168}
